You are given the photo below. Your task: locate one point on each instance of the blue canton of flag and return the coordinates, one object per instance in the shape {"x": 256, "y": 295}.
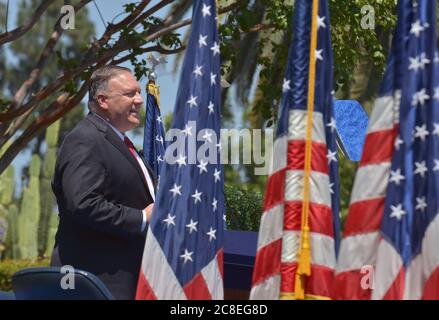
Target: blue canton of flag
{"x": 183, "y": 256}
{"x": 154, "y": 134}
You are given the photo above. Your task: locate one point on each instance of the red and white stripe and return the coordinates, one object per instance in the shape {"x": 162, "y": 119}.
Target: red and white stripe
{"x": 422, "y": 279}
{"x": 362, "y": 244}
{"x": 157, "y": 280}
{"x": 279, "y": 234}
{"x": 419, "y": 280}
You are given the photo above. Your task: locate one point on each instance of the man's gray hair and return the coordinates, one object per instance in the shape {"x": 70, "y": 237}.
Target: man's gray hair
{"x": 99, "y": 81}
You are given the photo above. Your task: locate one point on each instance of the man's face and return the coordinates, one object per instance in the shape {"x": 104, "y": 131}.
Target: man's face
{"x": 122, "y": 101}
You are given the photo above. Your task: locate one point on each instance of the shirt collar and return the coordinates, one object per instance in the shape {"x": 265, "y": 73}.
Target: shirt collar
{"x": 117, "y": 131}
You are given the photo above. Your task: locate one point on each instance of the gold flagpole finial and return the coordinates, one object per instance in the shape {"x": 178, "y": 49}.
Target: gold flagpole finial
{"x": 152, "y": 88}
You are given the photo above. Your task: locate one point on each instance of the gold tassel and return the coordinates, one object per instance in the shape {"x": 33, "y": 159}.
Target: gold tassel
{"x": 304, "y": 267}
{"x": 154, "y": 90}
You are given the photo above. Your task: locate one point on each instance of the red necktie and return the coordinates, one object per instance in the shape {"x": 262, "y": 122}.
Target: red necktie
{"x": 135, "y": 154}
{"x": 130, "y": 146}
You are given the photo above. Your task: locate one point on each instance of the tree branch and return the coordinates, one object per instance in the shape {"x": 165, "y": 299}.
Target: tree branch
{"x": 261, "y": 26}
{"x": 14, "y": 109}
{"x": 62, "y": 105}
{"x": 149, "y": 12}
{"x": 156, "y": 48}
{"x": 234, "y": 5}
{"x": 99, "y": 62}
{"x": 12, "y": 35}
{"x": 42, "y": 61}
{"x": 65, "y": 103}
{"x": 57, "y": 84}
{"x": 167, "y": 29}
{"x": 183, "y": 23}
{"x": 113, "y": 28}
{"x": 107, "y": 55}
{"x": 178, "y": 11}
{"x": 129, "y": 19}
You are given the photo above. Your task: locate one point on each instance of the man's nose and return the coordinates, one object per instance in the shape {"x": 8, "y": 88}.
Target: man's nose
{"x": 138, "y": 99}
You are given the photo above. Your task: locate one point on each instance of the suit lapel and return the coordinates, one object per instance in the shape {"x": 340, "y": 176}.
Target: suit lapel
{"x": 120, "y": 145}
{"x": 115, "y": 140}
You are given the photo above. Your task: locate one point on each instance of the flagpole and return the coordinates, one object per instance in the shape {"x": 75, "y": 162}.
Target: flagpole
{"x": 304, "y": 254}
{"x": 153, "y": 140}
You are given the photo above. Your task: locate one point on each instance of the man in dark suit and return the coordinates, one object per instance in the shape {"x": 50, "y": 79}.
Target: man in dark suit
{"x": 103, "y": 188}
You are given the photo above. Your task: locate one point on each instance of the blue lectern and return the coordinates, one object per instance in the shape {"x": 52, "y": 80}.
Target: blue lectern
{"x": 239, "y": 258}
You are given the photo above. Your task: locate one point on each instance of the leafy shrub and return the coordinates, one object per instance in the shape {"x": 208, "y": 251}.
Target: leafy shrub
{"x": 243, "y": 208}
{"x": 9, "y": 267}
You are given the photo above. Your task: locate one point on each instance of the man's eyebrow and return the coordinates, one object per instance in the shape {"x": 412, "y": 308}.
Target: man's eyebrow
{"x": 132, "y": 90}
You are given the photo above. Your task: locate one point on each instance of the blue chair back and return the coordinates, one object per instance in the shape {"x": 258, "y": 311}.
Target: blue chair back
{"x": 46, "y": 284}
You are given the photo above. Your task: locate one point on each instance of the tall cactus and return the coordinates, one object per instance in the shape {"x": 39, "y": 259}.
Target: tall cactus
{"x": 54, "y": 219}
{"x": 46, "y": 195}
{"x": 30, "y": 213}
{"x": 7, "y": 186}
{"x": 4, "y": 182}
{"x": 12, "y": 248}
{"x": 6, "y": 198}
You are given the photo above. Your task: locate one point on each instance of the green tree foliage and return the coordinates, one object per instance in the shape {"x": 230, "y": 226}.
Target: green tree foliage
{"x": 243, "y": 208}
{"x": 352, "y": 42}
{"x": 27, "y": 49}
{"x": 243, "y": 49}
{"x": 9, "y": 267}
{"x": 347, "y": 171}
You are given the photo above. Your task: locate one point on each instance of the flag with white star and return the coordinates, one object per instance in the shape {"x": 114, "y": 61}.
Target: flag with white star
{"x": 183, "y": 255}
{"x": 283, "y": 223}
{"x": 154, "y": 133}
{"x": 391, "y": 234}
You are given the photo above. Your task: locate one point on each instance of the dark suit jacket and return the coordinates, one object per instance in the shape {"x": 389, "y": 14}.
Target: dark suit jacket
{"x": 101, "y": 191}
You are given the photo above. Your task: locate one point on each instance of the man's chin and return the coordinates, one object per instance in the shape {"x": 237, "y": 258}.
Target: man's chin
{"x": 134, "y": 122}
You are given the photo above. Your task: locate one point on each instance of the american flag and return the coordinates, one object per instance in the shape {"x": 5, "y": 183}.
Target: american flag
{"x": 183, "y": 256}
{"x": 282, "y": 222}
{"x": 390, "y": 247}
{"x": 154, "y": 134}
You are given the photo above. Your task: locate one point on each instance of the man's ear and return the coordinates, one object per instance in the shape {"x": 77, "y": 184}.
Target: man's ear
{"x": 101, "y": 100}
